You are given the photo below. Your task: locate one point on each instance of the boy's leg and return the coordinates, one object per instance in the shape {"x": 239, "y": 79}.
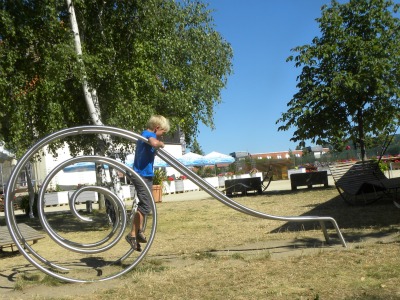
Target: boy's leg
{"x": 137, "y": 227}
{"x": 131, "y": 237}
{"x": 138, "y": 220}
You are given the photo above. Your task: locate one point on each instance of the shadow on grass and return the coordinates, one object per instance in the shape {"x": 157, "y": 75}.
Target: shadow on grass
{"x": 382, "y": 217}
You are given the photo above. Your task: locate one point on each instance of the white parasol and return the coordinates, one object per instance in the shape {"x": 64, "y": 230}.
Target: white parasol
{"x": 219, "y": 158}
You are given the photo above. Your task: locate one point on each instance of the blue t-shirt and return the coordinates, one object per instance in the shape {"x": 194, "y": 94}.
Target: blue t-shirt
{"x": 144, "y": 156}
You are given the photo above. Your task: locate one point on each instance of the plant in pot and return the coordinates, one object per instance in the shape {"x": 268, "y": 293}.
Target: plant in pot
{"x": 159, "y": 177}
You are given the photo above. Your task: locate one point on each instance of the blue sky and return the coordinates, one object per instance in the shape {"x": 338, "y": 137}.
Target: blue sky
{"x": 261, "y": 33}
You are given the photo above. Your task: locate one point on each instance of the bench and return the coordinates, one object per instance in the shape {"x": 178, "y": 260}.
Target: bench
{"x": 308, "y": 179}
{"x": 243, "y": 185}
{"x": 29, "y": 234}
{"x": 362, "y": 182}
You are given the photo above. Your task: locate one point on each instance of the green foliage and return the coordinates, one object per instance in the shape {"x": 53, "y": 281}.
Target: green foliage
{"x": 383, "y": 166}
{"x": 196, "y": 148}
{"x": 159, "y": 176}
{"x": 206, "y": 171}
{"x": 348, "y": 87}
{"x": 141, "y": 57}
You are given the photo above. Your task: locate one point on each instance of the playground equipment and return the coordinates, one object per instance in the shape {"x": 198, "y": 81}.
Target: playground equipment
{"x": 82, "y": 262}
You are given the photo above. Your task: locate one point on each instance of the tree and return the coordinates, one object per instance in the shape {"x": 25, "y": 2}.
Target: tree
{"x": 142, "y": 57}
{"x": 196, "y": 148}
{"x": 348, "y": 88}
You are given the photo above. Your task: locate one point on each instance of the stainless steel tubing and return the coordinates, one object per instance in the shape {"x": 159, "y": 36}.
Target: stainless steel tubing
{"x": 109, "y": 267}
{"x": 87, "y": 265}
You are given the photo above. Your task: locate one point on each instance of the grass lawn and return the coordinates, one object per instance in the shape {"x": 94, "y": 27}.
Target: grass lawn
{"x": 205, "y": 250}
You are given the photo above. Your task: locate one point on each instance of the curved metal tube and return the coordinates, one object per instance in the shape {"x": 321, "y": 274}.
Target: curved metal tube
{"x": 207, "y": 187}
{"x": 53, "y": 268}
{"x": 114, "y": 236}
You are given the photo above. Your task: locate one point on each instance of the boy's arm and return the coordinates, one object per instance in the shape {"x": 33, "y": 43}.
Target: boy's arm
{"x": 155, "y": 143}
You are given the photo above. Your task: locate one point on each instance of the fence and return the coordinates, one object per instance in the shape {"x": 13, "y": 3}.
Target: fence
{"x": 280, "y": 166}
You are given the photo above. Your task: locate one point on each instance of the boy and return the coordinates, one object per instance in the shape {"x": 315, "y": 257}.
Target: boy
{"x": 143, "y": 165}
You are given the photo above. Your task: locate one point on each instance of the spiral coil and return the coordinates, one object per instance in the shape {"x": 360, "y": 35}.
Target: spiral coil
{"x": 107, "y": 255}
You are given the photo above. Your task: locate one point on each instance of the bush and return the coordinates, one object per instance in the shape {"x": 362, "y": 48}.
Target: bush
{"x": 159, "y": 176}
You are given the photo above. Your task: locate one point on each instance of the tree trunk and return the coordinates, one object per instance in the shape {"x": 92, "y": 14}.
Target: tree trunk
{"x": 361, "y": 135}
{"x": 31, "y": 190}
{"x": 90, "y": 97}
{"x": 91, "y": 102}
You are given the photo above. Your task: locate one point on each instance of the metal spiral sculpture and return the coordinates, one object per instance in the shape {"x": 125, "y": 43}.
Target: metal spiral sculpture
{"x": 108, "y": 256}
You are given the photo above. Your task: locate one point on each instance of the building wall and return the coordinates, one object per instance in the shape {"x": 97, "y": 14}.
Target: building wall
{"x": 48, "y": 163}
{"x": 6, "y": 168}
{"x": 176, "y": 151}
{"x": 286, "y": 154}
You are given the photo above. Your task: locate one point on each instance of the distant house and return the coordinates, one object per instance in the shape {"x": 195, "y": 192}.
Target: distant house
{"x": 277, "y": 155}
{"x": 239, "y": 155}
{"x": 317, "y": 151}
{"x": 176, "y": 138}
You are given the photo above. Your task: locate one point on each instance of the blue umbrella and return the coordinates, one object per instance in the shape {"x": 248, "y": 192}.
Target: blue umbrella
{"x": 129, "y": 160}
{"x": 157, "y": 161}
{"x": 189, "y": 159}
{"x": 219, "y": 158}
{"x": 194, "y": 159}
{"x": 81, "y": 167}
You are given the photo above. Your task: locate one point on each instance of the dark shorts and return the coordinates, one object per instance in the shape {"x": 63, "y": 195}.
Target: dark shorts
{"x": 144, "y": 198}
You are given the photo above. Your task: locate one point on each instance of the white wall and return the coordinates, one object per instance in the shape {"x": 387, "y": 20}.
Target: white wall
{"x": 48, "y": 163}
{"x": 176, "y": 151}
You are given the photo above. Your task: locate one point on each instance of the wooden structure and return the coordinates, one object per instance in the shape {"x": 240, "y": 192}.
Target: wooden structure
{"x": 243, "y": 185}
{"x": 29, "y": 234}
{"x": 362, "y": 182}
{"x": 308, "y": 179}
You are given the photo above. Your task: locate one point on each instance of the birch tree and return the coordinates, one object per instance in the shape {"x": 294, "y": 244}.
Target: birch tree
{"x": 141, "y": 57}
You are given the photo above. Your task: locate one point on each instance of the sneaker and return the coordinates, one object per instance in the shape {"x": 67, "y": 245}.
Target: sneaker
{"x": 131, "y": 241}
{"x": 138, "y": 247}
{"x": 140, "y": 237}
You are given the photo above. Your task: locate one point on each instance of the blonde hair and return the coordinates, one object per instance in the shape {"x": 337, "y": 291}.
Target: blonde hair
{"x": 158, "y": 120}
